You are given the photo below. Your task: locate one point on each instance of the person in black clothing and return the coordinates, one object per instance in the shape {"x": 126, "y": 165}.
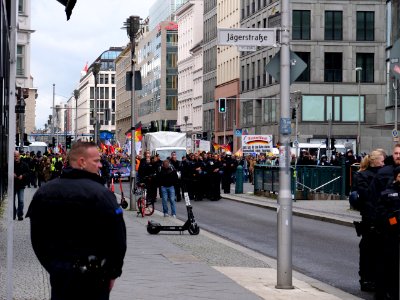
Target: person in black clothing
{"x": 147, "y": 175}
{"x": 369, "y": 167}
{"x": 388, "y": 220}
{"x": 373, "y": 207}
{"x": 229, "y": 167}
{"x": 198, "y": 177}
{"x": 350, "y": 159}
{"x": 178, "y": 167}
{"x": 77, "y": 229}
{"x": 106, "y": 169}
{"x": 213, "y": 169}
{"x": 21, "y": 177}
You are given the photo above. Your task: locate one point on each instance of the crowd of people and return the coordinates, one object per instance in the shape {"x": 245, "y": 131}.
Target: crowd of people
{"x": 375, "y": 192}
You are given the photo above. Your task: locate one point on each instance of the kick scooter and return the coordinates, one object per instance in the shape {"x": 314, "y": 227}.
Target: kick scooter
{"x": 190, "y": 224}
{"x": 123, "y": 203}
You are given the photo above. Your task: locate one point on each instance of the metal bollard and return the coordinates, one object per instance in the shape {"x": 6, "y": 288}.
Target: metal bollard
{"x": 239, "y": 180}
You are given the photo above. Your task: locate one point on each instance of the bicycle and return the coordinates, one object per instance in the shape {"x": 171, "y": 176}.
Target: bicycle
{"x": 145, "y": 206}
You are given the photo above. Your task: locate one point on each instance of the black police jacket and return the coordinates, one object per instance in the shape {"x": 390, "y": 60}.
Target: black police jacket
{"x": 361, "y": 184}
{"x": 73, "y": 217}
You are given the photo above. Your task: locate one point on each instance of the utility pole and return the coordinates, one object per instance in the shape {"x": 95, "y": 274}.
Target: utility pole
{"x": 76, "y": 96}
{"x": 53, "y": 129}
{"x": 284, "y": 251}
{"x": 132, "y": 26}
{"x": 96, "y": 70}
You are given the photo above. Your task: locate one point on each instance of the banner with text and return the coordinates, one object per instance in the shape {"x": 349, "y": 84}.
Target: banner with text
{"x": 256, "y": 143}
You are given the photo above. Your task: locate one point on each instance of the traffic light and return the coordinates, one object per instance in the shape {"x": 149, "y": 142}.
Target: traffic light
{"x": 294, "y": 113}
{"x": 69, "y": 5}
{"x": 68, "y": 141}
{"x": 26, "y": 142}
{"x": 222, "y": 105}
{"x": 53, "y": 141}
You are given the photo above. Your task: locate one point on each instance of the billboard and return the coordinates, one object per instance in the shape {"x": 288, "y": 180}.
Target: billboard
{"x": 257, "y": 143}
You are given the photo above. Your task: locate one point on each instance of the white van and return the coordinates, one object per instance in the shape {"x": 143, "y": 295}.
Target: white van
{"x": 315, "y": 149}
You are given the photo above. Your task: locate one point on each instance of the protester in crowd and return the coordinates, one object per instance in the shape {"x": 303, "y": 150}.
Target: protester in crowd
{"x": 77, "y": 229}
{"x": 167, "y": 178}
{"x": 178, "y": 167}
{"x": 21, "y": 177}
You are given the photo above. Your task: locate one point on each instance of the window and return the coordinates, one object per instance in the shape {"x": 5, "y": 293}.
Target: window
{"x": 172, "y": 81}
{"x": 305, "y": 76}
{"x": 366, "y": 62}
{"x": 333, "y": 67}
{"x": 172, "y": 103}
{"x": 172, "y": 59}
{"x": 365, "y": 25}
{"x": 333, "y": 25}
{"x": 21, "y": 6}
{"x": 112, "y": 78}
{"x": 269, "y": 111}
{"x": 247, "y": 113}
{"x": 20, "y": 60}
{"x": 320, "y": 108}
{"x": 172, "y": 38}
{"x": 301, "y": 25}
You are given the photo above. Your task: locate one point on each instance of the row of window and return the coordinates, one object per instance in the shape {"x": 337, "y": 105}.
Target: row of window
{"x": 314, "y": 108}
{"x": 333, "y": 30}
{"x": 254, "y": 76}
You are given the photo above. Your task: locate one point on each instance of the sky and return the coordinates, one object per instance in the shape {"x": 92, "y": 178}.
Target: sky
{"x": 61, "y": 48}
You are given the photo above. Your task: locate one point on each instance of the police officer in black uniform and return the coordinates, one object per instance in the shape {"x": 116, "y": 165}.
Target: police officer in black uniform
{"x": 213, "y": 168}
{"x": 77, "y": 229}
{"x": 369, "y": 167}
{"x": 374, "y": 208}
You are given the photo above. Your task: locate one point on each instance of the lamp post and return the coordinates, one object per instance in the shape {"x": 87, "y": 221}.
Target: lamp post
{"x": 186, "y": 118}
{"x": 95, "y": 71}
{"x": 359, "y": 69}
{"x": 76, "y": 96}
{"x": 132, "y": 26}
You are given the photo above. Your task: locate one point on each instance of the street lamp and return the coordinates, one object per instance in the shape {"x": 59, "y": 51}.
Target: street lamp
{"x": 132, "y": 26}
{"x": 95, "y": 71}
{"x": 76, "y": 96}
{"x": 186, "y": 118}
{"x": 359, "y": 69}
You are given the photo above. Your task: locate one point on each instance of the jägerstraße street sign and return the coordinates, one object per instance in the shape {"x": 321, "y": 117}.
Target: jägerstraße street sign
{"x": 247, "y": 37}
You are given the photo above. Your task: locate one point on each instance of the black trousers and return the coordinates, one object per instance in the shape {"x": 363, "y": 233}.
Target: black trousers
{"x": 368, "y": 256}
{"x": 69, "y": 285}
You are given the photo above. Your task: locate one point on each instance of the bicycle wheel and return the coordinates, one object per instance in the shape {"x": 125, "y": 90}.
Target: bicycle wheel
{"x": 149, "y": 208}
{"x": 141, "y": 204}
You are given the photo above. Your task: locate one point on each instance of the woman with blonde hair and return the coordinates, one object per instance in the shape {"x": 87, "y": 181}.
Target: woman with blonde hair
{"x": 369, "y": 166}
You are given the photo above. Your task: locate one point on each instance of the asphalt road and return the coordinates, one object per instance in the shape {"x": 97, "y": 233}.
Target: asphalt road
{"x": 324, "y": 251}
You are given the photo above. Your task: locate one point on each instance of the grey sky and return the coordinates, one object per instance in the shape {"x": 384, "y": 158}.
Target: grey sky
{"x": 61, "y": 48}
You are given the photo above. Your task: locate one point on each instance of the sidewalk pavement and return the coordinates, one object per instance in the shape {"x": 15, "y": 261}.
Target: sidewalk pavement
{"x": 179, "y": 266}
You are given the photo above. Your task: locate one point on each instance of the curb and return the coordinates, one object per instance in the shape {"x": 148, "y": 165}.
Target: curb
{"x": 295, "y": 211}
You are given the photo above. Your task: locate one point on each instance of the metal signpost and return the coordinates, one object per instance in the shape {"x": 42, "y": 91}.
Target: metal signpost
{"x": 285, "y": 67}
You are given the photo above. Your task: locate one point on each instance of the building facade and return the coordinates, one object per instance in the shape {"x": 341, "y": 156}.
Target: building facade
{"x": 106, "y": 95}
{"x": 163, "y": 10}
{"x": 24, "y": 79}
{"x": 342, "y": 37}
{"x": 157, "y": 102}
{"x": 228, "y": 61}
{"x": 190, "y": 33}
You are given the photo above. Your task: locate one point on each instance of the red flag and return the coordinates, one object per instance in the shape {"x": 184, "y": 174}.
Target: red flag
{"x": 86, "y": 68}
